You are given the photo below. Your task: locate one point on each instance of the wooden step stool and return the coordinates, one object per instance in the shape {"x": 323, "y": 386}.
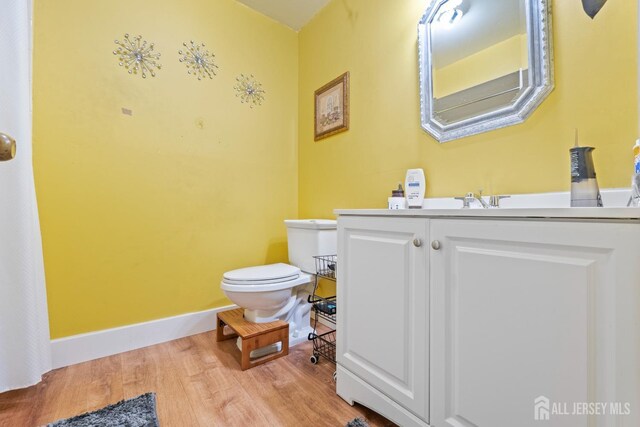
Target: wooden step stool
{"x": 254, "y": 336}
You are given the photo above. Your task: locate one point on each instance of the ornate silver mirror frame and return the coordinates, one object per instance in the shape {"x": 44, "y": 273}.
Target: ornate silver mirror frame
{"x": 534, "y": 84}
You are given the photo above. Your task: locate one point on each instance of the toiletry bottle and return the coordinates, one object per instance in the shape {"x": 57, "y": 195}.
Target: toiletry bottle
{"x": 635, "y": 179}
{"x": 636, "y": 157}
{"x": 415, "y": 185}
{"x": 397, "y": 200}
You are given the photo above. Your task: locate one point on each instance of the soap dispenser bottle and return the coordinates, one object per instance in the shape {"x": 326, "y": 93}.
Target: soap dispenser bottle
{"x": 415, "y": 185}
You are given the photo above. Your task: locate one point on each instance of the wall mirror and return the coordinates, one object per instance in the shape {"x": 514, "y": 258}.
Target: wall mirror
{"x": 484, "y": 64}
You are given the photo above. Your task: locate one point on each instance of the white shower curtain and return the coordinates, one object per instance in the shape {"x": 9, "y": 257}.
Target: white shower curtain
{"x": 25, "y": 352}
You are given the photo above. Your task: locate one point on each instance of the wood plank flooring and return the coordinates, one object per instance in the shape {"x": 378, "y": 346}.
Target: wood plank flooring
{"x": 198, "y": 382}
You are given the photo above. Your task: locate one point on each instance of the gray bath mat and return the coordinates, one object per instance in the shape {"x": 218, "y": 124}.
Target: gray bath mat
{"x": 137, "y": 412}
{"x": 357, "y": 422}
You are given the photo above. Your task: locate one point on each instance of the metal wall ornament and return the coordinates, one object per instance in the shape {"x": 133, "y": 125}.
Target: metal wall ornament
{"x": 199, "y": 61}
{"x": 249, "y": 90}
{"x": 136, "y": 55}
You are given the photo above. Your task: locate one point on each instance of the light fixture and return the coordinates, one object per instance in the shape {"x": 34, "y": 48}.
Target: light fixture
{"x": 450, "y": 12}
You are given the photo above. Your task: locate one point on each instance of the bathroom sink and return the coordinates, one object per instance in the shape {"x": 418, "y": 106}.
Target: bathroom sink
{"x": 544, "y": 205}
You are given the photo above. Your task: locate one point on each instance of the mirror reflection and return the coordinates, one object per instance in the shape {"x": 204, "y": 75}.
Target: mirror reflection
{"x": 484, "y": 64}
{"x": 479, "y": 56}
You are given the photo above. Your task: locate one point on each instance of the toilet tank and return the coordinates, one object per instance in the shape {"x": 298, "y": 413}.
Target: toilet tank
{"x": 308, "y": 238}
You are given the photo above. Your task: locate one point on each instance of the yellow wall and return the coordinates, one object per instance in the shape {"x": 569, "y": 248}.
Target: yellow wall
{"x": 596, "y": 91}
{"x": 488, "y": 64}
{"x": 142, "y": 214}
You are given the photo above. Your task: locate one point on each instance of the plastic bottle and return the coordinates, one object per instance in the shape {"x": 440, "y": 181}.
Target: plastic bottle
{"x": 636, "y": 157}
{"x": 635, "y": 180}
{"x": 414, "y": 186}
{"x": 397, "y": 200}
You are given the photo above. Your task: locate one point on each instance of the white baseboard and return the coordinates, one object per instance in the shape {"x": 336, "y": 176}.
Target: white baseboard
{"x": 94, "y": 345}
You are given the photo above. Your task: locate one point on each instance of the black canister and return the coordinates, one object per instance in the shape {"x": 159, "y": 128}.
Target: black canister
{"x": 584, "y": 185}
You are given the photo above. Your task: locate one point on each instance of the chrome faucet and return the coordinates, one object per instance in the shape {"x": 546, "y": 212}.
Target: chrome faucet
{"x": 466, "y": 200}
{"x": 481, "y": 200}
{"x": 494, "y": 201}
{"x": 470, "y": 198}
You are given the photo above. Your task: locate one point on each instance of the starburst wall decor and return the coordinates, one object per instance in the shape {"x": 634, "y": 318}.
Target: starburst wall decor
{"x": 249, "y": 90}
{"x": 136, "y": 55}
{"x": 199, "y": 61}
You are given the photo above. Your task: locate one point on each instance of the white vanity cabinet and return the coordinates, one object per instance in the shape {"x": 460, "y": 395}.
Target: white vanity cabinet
{"x": 482, "y": 316}
{"x": 523, "y": 309}
{"x": 383, "y": 319}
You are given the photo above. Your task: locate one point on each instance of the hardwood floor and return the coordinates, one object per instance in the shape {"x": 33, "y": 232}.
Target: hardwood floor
{"x": 198, "y": 382}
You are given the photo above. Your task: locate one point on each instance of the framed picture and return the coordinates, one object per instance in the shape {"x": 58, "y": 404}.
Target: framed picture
{"x": 331, "y": 110}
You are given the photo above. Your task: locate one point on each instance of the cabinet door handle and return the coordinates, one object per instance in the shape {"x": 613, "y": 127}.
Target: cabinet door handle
{"x": 7, "y": 147}
{"x": 435, "y": 245}
{"x": 417, "y": 243}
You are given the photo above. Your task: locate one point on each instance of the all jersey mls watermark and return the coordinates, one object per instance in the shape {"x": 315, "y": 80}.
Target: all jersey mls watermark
{"x": 544, "y": 409}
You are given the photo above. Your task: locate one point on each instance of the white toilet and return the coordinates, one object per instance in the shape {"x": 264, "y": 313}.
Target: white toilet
{"x": 280, "y": 291}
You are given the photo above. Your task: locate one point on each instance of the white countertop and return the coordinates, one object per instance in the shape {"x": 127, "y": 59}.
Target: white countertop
{"x": 544, "y": 205}
{"x": 574, "y": 213}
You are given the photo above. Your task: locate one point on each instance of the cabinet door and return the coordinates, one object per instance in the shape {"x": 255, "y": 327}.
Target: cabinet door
{"x": 382, "y": 331}
{"x": 530, "y": 318}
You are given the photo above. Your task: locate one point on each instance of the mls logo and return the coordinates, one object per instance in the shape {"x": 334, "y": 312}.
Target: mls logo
{"x": 541, "y": 408}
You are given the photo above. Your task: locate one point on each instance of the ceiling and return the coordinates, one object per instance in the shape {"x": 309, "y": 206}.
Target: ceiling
{"x": 484, "y": 23}
{"x": 294, "y": 14}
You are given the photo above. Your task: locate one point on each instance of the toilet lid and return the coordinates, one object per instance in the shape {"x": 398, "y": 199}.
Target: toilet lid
{"x": 262, "y": 275}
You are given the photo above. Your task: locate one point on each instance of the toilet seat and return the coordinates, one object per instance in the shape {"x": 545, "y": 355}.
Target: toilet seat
{"x": 263, "y": 278}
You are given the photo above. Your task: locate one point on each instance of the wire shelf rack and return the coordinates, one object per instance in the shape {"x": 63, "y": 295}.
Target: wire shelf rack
{"x": 324, "y": 345}
{"x": 326, "y": 266}
{"x": 324, "y": 307}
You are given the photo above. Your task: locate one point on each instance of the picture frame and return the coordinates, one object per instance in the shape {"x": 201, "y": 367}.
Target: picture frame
{"x": 331, "y": 108}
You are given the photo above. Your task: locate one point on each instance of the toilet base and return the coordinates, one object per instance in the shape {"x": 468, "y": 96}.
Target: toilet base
{"x": 297, "y": 337}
